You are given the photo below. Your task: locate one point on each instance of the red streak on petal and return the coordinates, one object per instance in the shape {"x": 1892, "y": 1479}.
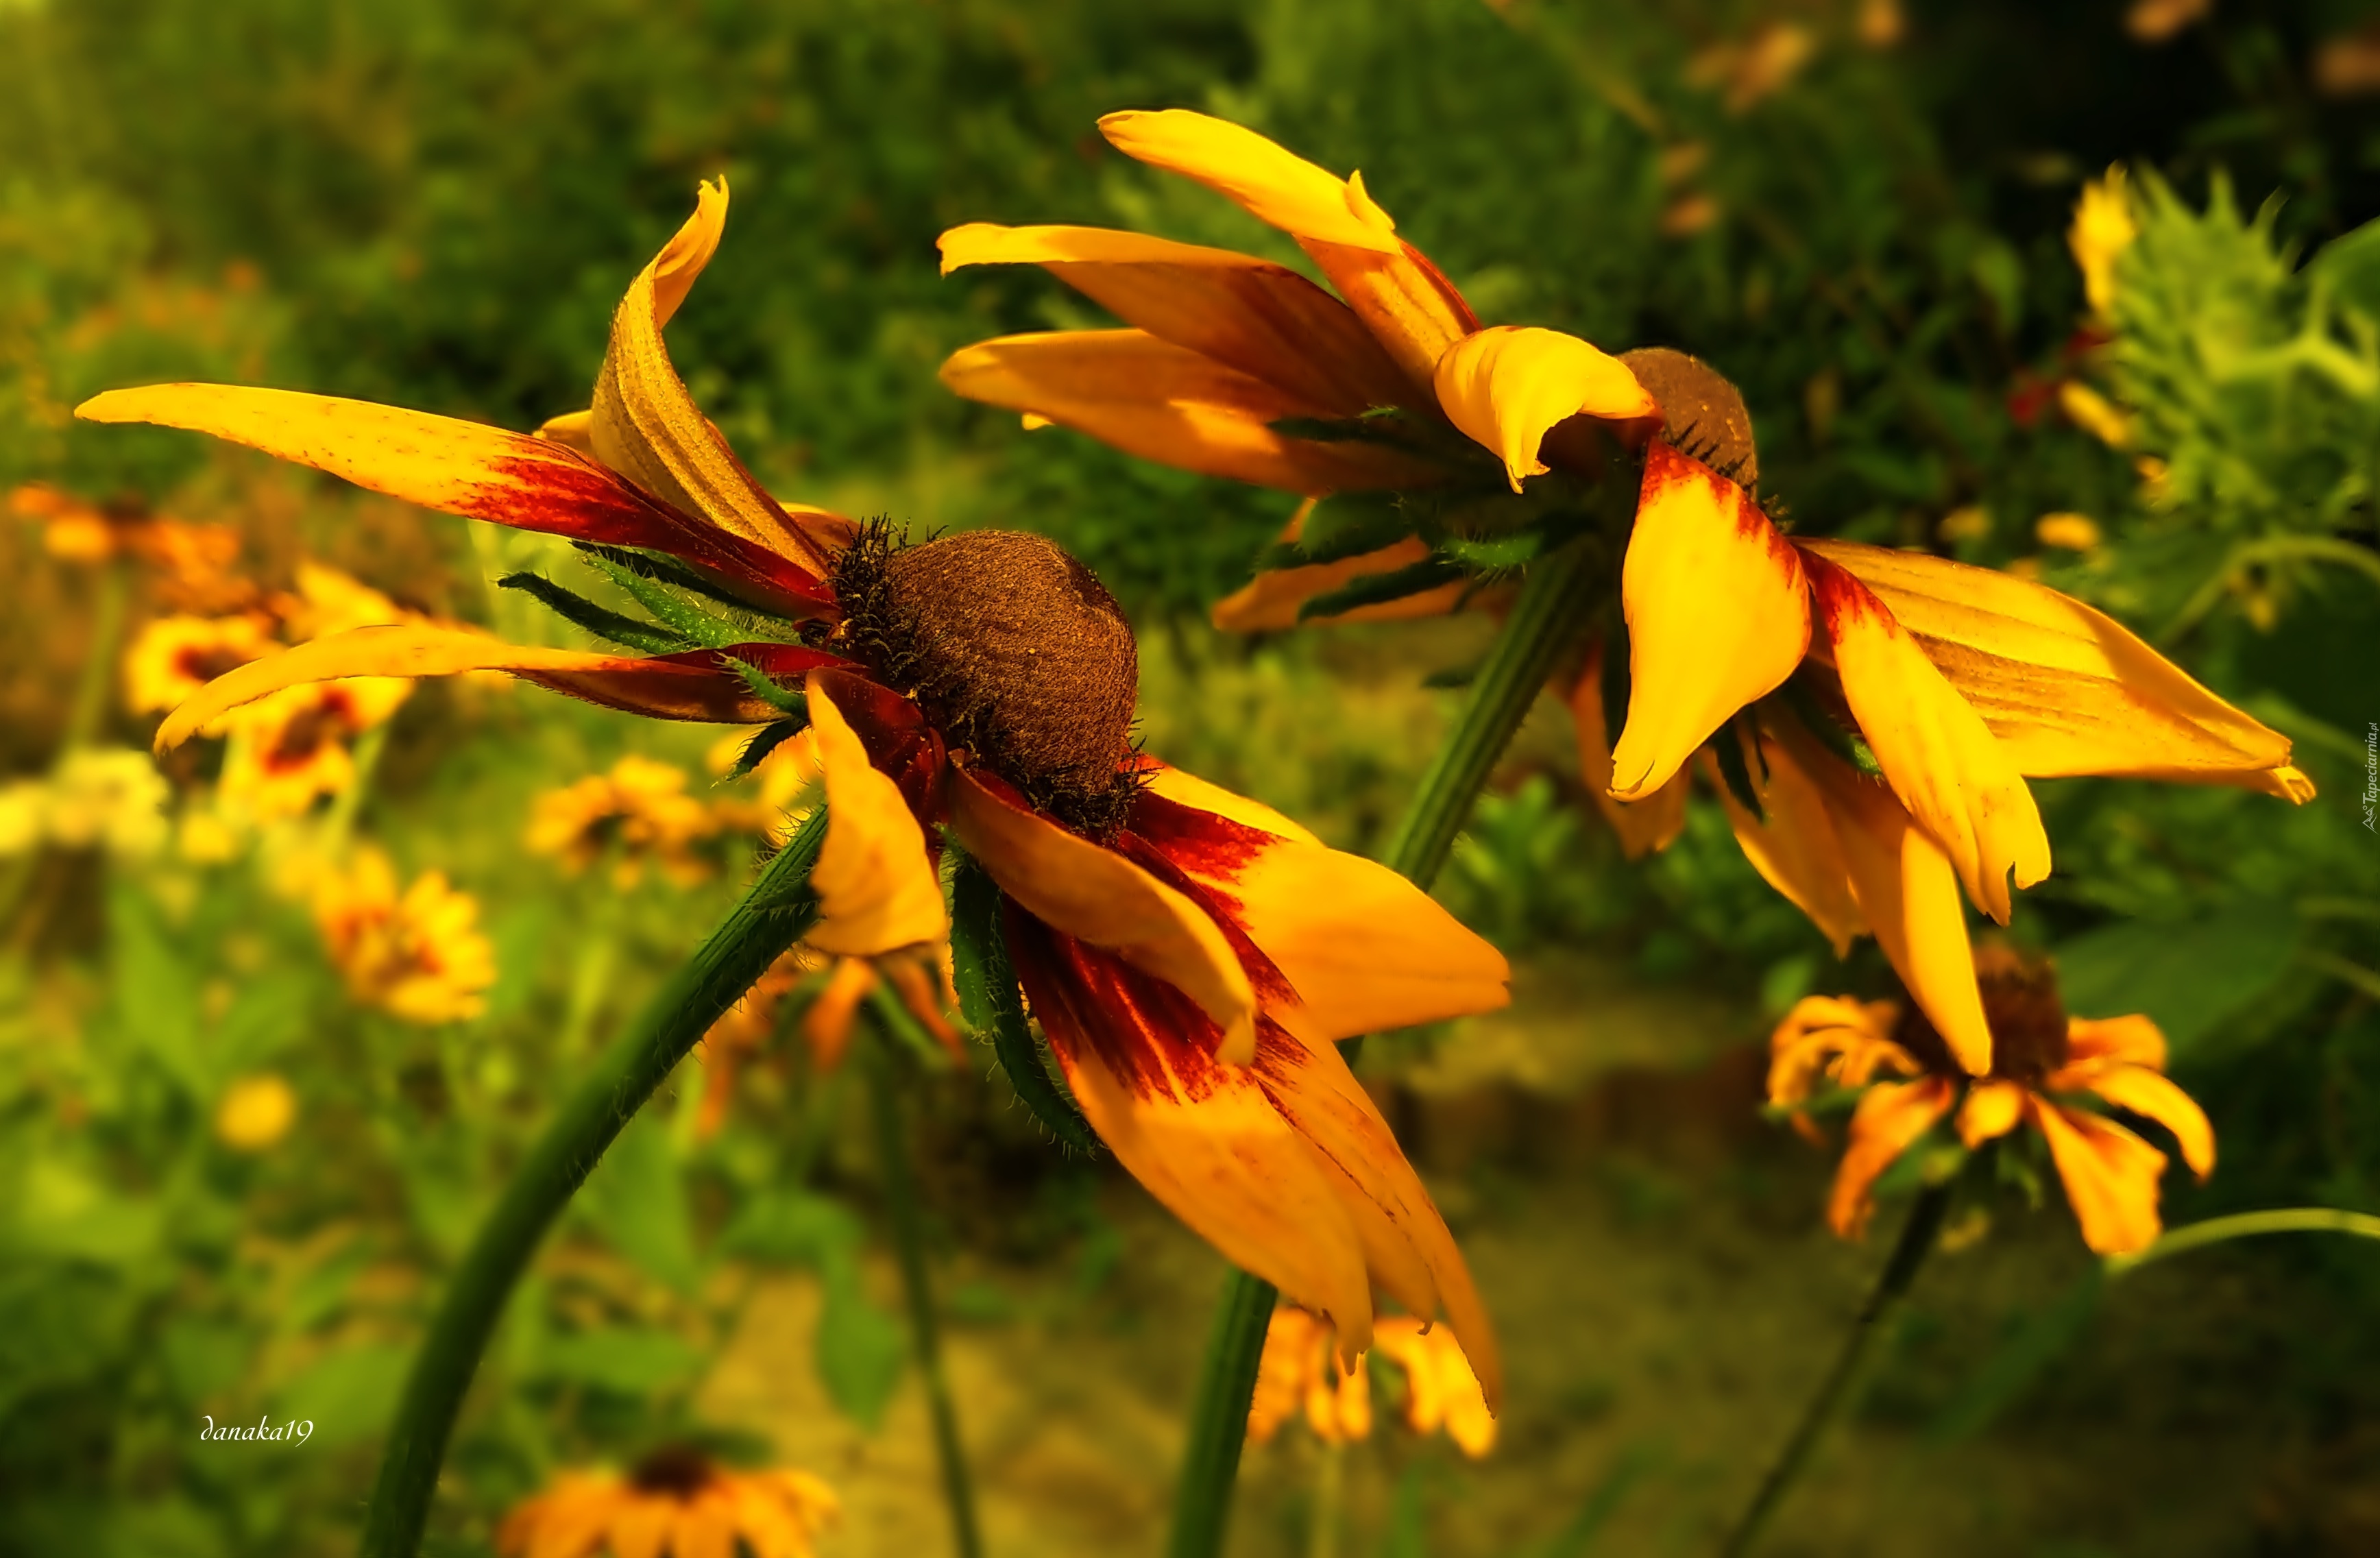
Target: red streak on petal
{"x": 899, "y": 741}
{"x": 1264, "y": 975}
{"x": 1197, "y": 840}
{"x": 1153, "y": 1038}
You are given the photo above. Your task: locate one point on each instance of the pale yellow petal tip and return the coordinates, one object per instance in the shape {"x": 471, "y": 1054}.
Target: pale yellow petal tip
{"x": 1507, "y": 386}
{"x": 970, "y": 243}
{"x": 2291, "y": 784}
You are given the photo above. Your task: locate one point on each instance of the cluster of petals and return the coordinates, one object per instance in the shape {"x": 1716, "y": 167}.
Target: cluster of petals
{"x": 697, "y": 1511}
{"x": 2111, "y": 1174}
{"x": 1961, "y": 683}
{"x": 418, "y": 955}
{"x": 1192, "y": 973}
{"x": 827, "y": 993}
{"x": 636, "y": 814}
{"x": 1299, "y": 1373}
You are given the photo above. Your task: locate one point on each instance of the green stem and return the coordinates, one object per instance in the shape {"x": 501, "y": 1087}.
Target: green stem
{"x": 909, "y": 1239}
{"x": 90, "y": 709}
{"x": 1553, "y": 604}
{"x": 769, "y": 918}
{"x": 1918, "y": 1236}
{"x": 2245, "y": 1224}
{"x": 1329, "y": 1489}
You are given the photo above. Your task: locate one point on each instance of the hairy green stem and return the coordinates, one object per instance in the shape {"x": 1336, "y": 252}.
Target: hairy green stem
{"x": 771, "y": 917}
{"x": 1918, "y": 1236}
{"x": 917, "y": 1286}
{"x": 1553, "y": 604}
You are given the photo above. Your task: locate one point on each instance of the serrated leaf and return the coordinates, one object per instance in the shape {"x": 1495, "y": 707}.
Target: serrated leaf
{"x": 600, "y": 621}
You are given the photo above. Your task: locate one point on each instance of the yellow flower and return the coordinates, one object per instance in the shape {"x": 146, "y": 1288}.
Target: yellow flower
{"x": 329, "y": 602}
{"x": 834, "y": 987}
{"x": 173, "y": 657}
{"x": 1440, "y": 1389}
{"x": 2067, "y": 532}
{"x": 256, "y": 1113}
{"x": 2094, "y": 414}
{"x": 2103, "y": 229}
{"x": 674, "y": 1504}
{"x": 1300, "y": 1372}
{"x": 189, "y": 555}
{"x": 108, "y": 797}
{"x": 640, "y": 809}
{"x": 290, "y": 748}
{"x": 420, "y": 957}
{"x": 2042, "y": 1060}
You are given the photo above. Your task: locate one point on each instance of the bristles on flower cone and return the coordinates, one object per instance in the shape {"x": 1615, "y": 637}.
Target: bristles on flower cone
{"x": 1702, "y": 414}
{"x": 1014, "y": 650}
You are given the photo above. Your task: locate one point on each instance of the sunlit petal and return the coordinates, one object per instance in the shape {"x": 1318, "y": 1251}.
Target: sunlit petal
{"x": 2111, "y": 1174}
{"x": 1508, "y": 385}
{"x": 1793, "y": 846}
{"x": 2132, "y": 1041}
{"x": 1717, "y": 610}
{"x": 1994, "y": 1107}
{"x": 1890, "y": 1115}
{"x": 2154, "y": 1096}
{"x": 875, "y": 883}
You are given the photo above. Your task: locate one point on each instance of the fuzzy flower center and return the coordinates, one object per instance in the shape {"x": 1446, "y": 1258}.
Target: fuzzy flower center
{"x": 2021, "y": 1003}
{"x": 1702, "y": 414}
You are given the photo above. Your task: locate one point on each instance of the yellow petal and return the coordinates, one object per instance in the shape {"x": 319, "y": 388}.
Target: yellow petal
{"x": 1263, "y": 319}
{"x": 647, "y": 427}
{"x": 2066, "y": 690}
{"x": 826, "y": 1027}
{"x": 1645, "y": 827}
{"x": 1794, "y": 847}
{"x": 1097, "y": 895}
{"x": 1269, "y": 602}
{"x": 1717, "y": 611}
{"x": 2154, "y": 1096}
{"x": 875, "y": 883}
{"x": 1411, "y": 310}
{"x": 2134, "y": 1040}
{"x": 1270, "y": 184}
{"x": 1833, "y": 1035}
{"x": 1937, "y": 754}
{"x": 1993, "y": 1107}
{"x": 1162, "y": 402}
{"x": 1363, "y": 948}
{"x": 1890, "y": 1115}
{"x": 1507, "y": 386}
{"x": 2111, "y": 1174}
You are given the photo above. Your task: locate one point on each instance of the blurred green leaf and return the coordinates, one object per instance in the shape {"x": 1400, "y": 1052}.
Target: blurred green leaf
{"x": 637, "y": 1198}
{"x": 348, "y": 1394}
{"x": 2188, "y": 978}
{"x": 861, "y": 1349}
{"x": 627, "y": 1361}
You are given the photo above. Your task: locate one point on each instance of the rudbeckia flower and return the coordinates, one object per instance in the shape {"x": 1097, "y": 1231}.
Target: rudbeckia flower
{"x": 2050, "y": 1071}
{"x": 420, "y": 956}
{"x": 1192, "y": 956}
{"x": 1300, "y": 1372}
{"x": 675, "y": 1504}
{"x": 829, "y": 992}
{"x": 256, "y": 1113}
{"x": 638, "y": 813}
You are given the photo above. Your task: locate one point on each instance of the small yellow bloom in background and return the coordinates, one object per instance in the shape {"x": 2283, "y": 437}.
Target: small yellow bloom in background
{"x": 791, "y": 767}
{"x": 24, "y": 816}
{"x": 289, "y": 747}
{"x": 674, "y": 1504}
{"x": 109, "y": 797}
{"x": 1300, "y": 1374}
{"x": 2067, "y": 532}
{"x": 256, "y": 1113}
{"x": 75, "y": 532}
{"x": 420, "y": 956}
{"x": 2094, "y": 414}
{"x": 172, "y": 657}
{"x": 641, "y": 809}
{"x": 329, "y": 602}
{"x": 2103, "y": 229}
{"x": 1971, "y": 523}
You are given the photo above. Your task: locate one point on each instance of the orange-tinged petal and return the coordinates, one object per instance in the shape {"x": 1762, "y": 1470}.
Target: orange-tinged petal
{"x": 1162, "y": 402}
{"x": 1507, "y": 386}
{"x": 875, "y": 884}
{"x": 1717, "y": 610}
{"x": 2066, "y": 690}
{"x": 647, "y": 427}
{"x": 2134, "y": 1040}
{"x": 2155, "y": 1097}
{"x": 694, "y": 686}
{"x": 1202, "y": 1137}
{"x": 457, "y": 467}
{"x": 640, "y": 1529}
{"x": 1890, "y": 1115}
{"x": 1273, "y": 184}
{"x": 1411, "y": 310}
{"x": 1263, "y": 319}
{"x": 1937, "y": 754}
{"x": 1833, "y": 1035}
{"x": 1099, "y": 897}
{"x": 1645, "y": 827}
{"x": 1994, "y": 1107}
{"x": 1185, "y": 788}
{"x": 1363, "y": 948}
{"x": 2111, "y": 1178}
{"x": 1270, "y": 603}
{"x": 826, "y": 1027}
{"x": 1794, "y": 847}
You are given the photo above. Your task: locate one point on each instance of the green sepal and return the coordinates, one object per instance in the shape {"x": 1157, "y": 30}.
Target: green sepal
{"x": 1729, "y": 746}
{"x": 1846, "y": 743}
{"x": 794, "y": 704}
{"x": 601, "y": 621}
{"x": 664, "y": 569}
{"x": 755, "y": 751}
{"x": 1346, "y": 524}
{"x": 992, "y": 1004}
{"x": 1373, "y": 589}
{"x": 1499, "y": 551}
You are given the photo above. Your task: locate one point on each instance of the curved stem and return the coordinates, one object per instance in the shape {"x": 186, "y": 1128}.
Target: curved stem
{"x": 2245, "y": 1224}
{"x": 771, "y": 917}
{"x": 1552, "y": 606}
{"x": 1918, "y": 1239}
{"x": 909, "y": 1240}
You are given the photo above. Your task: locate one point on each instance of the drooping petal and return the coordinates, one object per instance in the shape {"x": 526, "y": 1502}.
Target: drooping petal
{"x": 826, "y": 1027}
{"x": 1794, "y": 847}
{"x": 1717, "y": 611}
{"x": 875, "y": 883}
{"x": 1994, "y": 1107}
{"x": 2111, "y": 1174}
{"x": 695, "y": 686}
{"x": 1202, "y": 1137}
{"x": 1165, "y": 403}
{"x": 1645, "y": 827}
{"x": 1263, "y": 319}
{"x": 1413, "y": 310}
{"x": 1363, "y": 949}
{"x": 1508, "y": 385}
{"x": 1271, "y": 602}
{"x": 2134, "y": 1040}
{"x": 1889, "y": 1117}
{"x": 462, "y": 468}
{"x": 2066, "y": 690}
{"x": 2156, "y": 1097}
{"x": 647, "y": 427}
{"x": 1939, "y": 756}
{"x": 1096, "y": 896}
{"x": 1834, "y": 1036}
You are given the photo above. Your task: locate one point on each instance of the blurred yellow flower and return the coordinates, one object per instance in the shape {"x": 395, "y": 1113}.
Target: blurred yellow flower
{"x": 674, "y": 1504}
{"x": 329, "y": 602}
{"x": 1298, "y": 1373}
{"x": 1441, "y": 1388}
{"x": 2103, "y": 229}
{"x": 791, "y": 768}
{"x": 420, "y": 957}
{"x": 836, "y": 987}
{"x": 109, "y": 797}
{"x": 256, "y": 1113}
{"x": 77, "y": 531}
{"x": 172, "y": 657}
{"x": 2067, "y": 532}
{"x": 289, "y": 747}
{"x": 2094, "y": 414}
{"x": 641, "y": 809}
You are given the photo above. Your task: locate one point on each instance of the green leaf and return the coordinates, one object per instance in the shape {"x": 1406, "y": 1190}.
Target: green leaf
{"x": 600, "y": 621}
{"x": 203, "y": 1358}
{"x": 860, "y": 1349}
{"x": 2188, "y": 978}
{"x": 626, "y": 1360}
{"x": 755, "y": 751}
{"x": 349, "y": 1394}
{"x": 636, "y": 1197}
{"x": 157, "y": 992}
{"x": 795, "y": 1227}
{"x": 990, "y": 1001}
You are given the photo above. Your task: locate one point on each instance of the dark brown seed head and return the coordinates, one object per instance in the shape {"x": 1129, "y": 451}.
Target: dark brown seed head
{"x": 1013, "y": 650}
{"x": 1702, "y": 413}
{"x": 2022, "y": 1008}
{"x": 680, "y": 1469}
